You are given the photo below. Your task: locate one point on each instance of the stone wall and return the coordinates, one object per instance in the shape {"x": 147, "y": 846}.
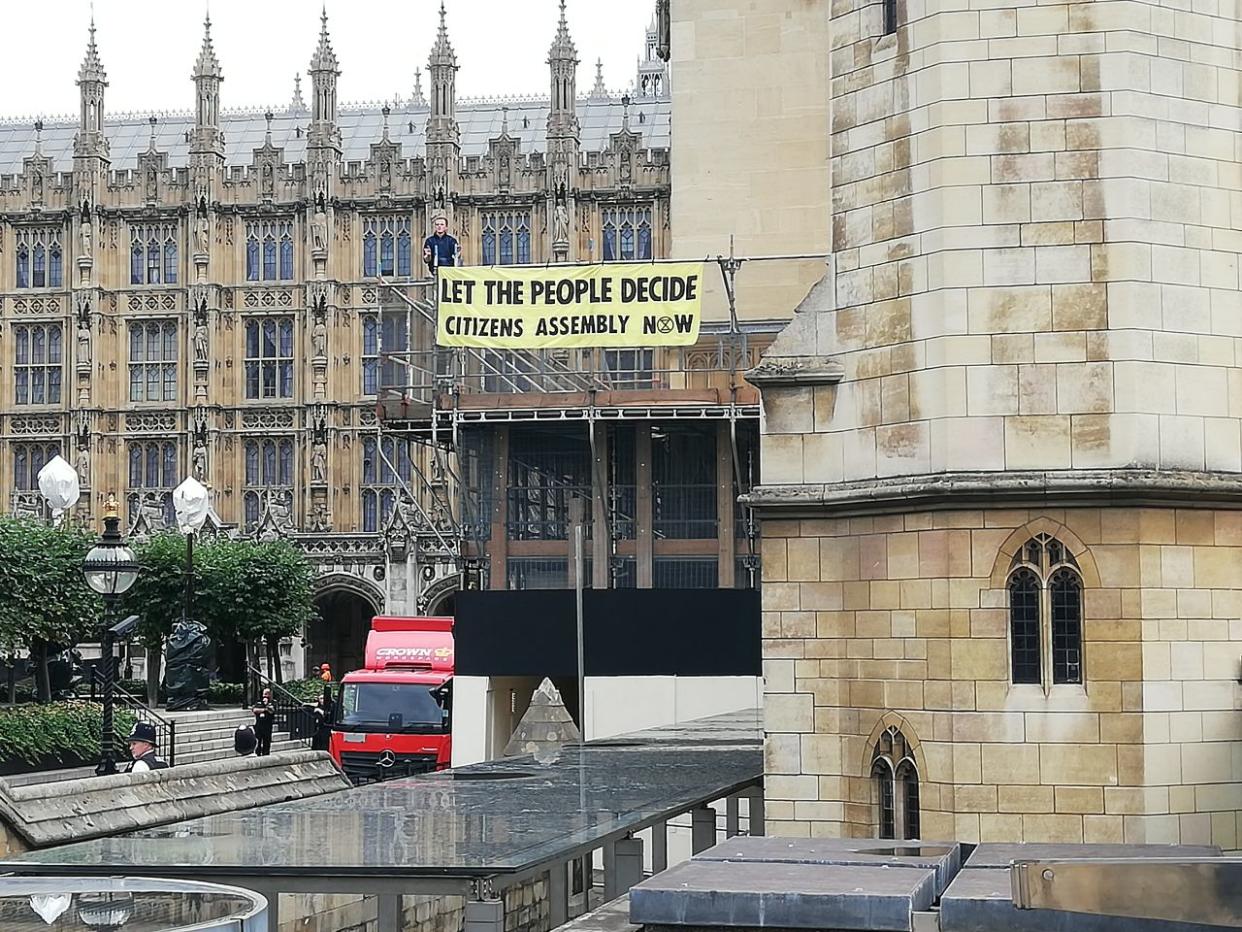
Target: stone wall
{"x": 750, "y": 120}
{"x": 903, "y": 619}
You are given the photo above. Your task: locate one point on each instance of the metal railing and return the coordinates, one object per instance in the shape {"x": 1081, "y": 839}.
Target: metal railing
{"x": 165, "y": 729}
{"x": 293, "y": 716}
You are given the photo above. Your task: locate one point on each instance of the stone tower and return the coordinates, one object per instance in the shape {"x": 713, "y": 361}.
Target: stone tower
{"x": 90, "y": 142}
{"x": 1002, "y": 464}
{"x": 443, "y": 133}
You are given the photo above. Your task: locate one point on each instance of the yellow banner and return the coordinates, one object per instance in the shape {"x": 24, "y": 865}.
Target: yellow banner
{"x": 598, "y": 305}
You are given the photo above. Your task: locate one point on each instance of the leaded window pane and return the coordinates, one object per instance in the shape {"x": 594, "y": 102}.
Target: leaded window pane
{"x": 1065, "y": 590}
{"x": 1024, "y": 591}
{"x": 286, "y": 258}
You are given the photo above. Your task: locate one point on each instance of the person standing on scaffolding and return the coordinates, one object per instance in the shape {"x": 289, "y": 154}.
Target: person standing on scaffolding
{"x": 439, "y": 248}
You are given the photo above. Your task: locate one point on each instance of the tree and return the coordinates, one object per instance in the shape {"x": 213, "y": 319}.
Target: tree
{"x": 44, "y": 599}
{"x": 243, "y": 590}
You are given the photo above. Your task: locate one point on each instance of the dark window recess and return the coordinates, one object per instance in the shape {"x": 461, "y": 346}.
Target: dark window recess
{"x": 883, "y": 776}
{"x": 890, "y": 17}
{"x": 1024, "y": 625}
{"x": 1066, "y": 592}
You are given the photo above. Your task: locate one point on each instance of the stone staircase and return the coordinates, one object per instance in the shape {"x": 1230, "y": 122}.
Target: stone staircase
{"x": 201, "y": 737}
{"x": 204, "y": 736}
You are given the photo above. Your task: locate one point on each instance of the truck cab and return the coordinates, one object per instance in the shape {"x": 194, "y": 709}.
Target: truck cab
{"x": 394, "y": 716}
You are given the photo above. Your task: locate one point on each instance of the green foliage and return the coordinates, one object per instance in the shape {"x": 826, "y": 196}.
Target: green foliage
{"x": 60, "y": 730}
{"x": 43, "y": 596}
{"x": 308, "y": 690}
{"x": 225, "y": 694}
{"x": 242, "y": 589}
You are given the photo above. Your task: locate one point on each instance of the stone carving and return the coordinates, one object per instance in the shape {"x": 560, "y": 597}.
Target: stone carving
{"x": 150, "y": 422}
{"x": 200, "y": 334}
{"x": 560, "y": 224}
{"x": 319, "y": 228}
{"x": 152, "y": 510}
{"x": 199, "y": 455}
{"x": 319, "y": 517}
{"x": 319, "y": 450}
{"x": 152, "y": 189}
{"x": 84, "y": 343}
{"x": 84, "y": 453}
{"x": 202, "y": 234}
{"x": 85, "y": 234}
{"x": 319, "y": 336}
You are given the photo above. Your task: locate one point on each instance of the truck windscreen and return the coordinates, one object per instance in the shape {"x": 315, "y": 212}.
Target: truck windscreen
{"x": 390, "y": 705}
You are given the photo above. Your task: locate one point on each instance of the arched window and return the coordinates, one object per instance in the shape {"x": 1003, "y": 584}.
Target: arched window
{"x": 369, "y": 263}
{"x": 269, "y": 475}
{"x": 382, "y": 477}
{"x": 40, "y": 258}
{"x": 40, "y": 267}
{"x": 56, "y": 267}
{"x": 286, "y": 257}
{"x": 23, "y": 267}
{"x": 269, "y": 258}
{"x": 387, "y": 263}
{"x": 252, "y": 259}
{"x": 403, "y": 254}
{"x": 153, "y": 262}
{"x": 895, "y": 780}
{"x": 1045, "y": 613}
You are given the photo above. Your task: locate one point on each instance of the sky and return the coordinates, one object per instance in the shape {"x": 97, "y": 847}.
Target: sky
{"x": 148, "y": 48}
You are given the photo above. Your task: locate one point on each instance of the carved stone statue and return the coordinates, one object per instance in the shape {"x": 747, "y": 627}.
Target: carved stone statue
{"x": 36, "y": 186}
{"x": 280, "y": 508}
{"x": 152, "y": 184}
{"x": 560, "y": 224}
{"x": 86, "y": 235}
{"x": 200, "y": 339}
{"x": 319, "y": 337}
{"x": 202, "y": 234}
{"x": 199, "y": 464}
{"x": 84, "y": 342}
{"x": 319, "y": 462}
{"x": 84, "y": 465}
{"x": 319, "y": 228}
{"x": 319, "y": 517}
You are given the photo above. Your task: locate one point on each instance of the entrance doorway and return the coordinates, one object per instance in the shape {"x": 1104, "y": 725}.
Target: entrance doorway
{"x": 339, "y": 635}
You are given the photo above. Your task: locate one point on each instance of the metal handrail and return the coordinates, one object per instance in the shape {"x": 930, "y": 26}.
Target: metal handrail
{"x": 165, "y": 729}
{"x": 288, "y": 709}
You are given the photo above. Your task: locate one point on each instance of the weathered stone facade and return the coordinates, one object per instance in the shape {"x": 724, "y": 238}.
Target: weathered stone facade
{"x": 197, "y": 293}
{"x": 1029, "y": 336}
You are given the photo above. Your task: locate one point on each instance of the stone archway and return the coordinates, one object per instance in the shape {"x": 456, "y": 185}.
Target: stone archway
{"x": 339, "y": 635}
{"x": 441, "y": 597}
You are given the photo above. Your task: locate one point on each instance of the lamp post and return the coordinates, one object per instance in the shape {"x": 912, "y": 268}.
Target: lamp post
{"x": 110, "y": 569}
{"x": 191, "y": 501}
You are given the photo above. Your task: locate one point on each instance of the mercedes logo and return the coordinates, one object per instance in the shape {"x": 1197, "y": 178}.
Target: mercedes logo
{"x": 387, "y": 759}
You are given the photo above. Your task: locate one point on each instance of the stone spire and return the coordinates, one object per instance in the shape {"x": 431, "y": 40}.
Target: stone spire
{"x": 207, "y": 77}
{"x": 324, "y": 71}
{"x": 207, "y": 65}
{"x": 652, "y": 79}
{"x": 419, "y": 99}
{"x": 442, "y": 66}
{"x": 563, "y": 64}
{"x": 599, "y": 91}
{"x": 298, "y": 103}
{"x": 92, "y": 80}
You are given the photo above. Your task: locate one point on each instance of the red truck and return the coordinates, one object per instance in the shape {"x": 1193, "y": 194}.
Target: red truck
{"x": 394, "y": 717}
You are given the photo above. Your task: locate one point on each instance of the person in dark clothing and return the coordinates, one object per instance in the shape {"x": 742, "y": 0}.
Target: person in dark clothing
{"x": 322, "y": 739}
{"x": 142, "y": 741}
{"x": 439, "y": 248}
{"x": 264, "y": 718}
{"x": 244, "y": 741}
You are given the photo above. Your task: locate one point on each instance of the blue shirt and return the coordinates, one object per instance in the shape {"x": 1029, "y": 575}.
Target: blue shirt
{"x": 443, "y": 250}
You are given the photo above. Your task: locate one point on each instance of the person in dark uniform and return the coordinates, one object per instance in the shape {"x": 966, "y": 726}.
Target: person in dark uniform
{"x": 322, "y": 739}
{"x": 264, "y": 718}
{"x": 439, "y": 248}
{"x": 142, "y": 741}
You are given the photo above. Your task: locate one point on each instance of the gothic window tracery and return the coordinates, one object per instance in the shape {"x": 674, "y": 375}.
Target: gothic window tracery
{"x": 153, "y": 254}
{"x": 386, "y": 469}
{"x": 626, "y": 233}
{"x": 38, "y": 359}
{"x": 386, "y": 247}
{"x": 269, "y": 468}
{"x": 1045, "y": 613}
{"x": 269, "y": 250}
{"x": 895, "y": 781}
{"x": 152, "y": 474}
{"x": 39, "y": 258}
{"x": 506, "y": 237}
{"x": 153, "y": 361}
{"x": 269, "y": 357}
{"x": 28, "y": 459}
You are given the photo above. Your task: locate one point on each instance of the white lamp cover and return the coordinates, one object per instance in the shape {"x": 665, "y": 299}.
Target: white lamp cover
{"x": 192, "y": 501}
{"x": 58, "y": 484}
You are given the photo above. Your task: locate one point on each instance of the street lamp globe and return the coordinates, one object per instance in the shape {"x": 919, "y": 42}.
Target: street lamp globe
{"x": 110, "y": 568}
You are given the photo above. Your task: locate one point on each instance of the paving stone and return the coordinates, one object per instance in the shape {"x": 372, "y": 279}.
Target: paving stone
{"x": 1001, "y": 855}
{"x": 765, "y": 895}
{"x": 943, "y": 857}
{"x": 981, "y": 900}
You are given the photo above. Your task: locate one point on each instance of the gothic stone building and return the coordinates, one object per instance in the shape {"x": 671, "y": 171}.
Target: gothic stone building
{"x": 1002, "y": 472}
{"x": 197, "y": 294}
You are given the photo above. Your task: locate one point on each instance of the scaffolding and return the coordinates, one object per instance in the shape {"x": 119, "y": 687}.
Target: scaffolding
{"x": 429, "y": 396}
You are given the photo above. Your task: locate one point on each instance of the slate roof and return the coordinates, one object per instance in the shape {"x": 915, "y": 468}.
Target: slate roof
{"x": 130, "y": 135}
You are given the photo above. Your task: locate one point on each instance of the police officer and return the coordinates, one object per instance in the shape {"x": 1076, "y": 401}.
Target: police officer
{"x": 142, "y": 743}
